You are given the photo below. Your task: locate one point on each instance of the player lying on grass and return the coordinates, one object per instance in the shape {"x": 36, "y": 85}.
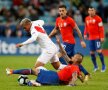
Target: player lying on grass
{"x": 66, "y": 76}
{"x": 67, "y": 58}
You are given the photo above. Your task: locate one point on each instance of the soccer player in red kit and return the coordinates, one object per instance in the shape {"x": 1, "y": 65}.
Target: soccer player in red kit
{"x": 95, "y": 31}
{"x": 66, "y": 76}
{"x": 66, "y": 25}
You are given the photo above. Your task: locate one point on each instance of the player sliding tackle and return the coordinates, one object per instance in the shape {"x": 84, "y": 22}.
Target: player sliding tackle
{"x": 68, "y": 75}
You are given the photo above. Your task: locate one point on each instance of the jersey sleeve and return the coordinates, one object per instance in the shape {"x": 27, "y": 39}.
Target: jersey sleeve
{"x": 56, "y": 24}
{"x": 41, "y": 22}
{"x": 101, "y": 27}
{"x": 85, "y": 29}
{"x": 72, "y": 22}
{"x": 34, "y": 35}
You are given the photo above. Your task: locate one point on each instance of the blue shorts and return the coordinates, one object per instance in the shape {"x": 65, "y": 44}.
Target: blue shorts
{"x": 46, "y": 77}
{"x": 94, "y": 45}
{"x": 69, "y": 48}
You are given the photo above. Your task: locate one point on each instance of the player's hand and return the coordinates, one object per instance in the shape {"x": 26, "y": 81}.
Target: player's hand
{"x": 102, "y": 40}
{"x": 83, "y": 44}
{"x": 19, "y": 45}
{"x": 85, "y": 37}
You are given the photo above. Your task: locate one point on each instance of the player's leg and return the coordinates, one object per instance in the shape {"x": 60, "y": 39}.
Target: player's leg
{"x": 93, "y": 58}
{"x": 47, "y": 56}
{"x": 86, "y": 73}
{"x": 33, "y": 83}
{"x": 56, "y": 63}
{"x": 19, "y": 71}
{"x": 34, "y": 71}
{"x": 47, "y": 77}
{"x": 92, "y": 53}
{"x": 83, "y": 70}
{"x": 101, "y": 56}
{"x": 44, "y": 58}
{"x": 38, "y": 63}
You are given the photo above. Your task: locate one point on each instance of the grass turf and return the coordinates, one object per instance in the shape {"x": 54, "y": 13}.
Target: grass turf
{"x": 98, "y": 81}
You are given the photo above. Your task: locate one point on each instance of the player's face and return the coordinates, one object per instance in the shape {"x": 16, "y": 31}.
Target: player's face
{"x": 27, "y": 27}
{"x": 76, "y": 57}
{"x": 91, "y": 12}
{"x": 62, "y": 12}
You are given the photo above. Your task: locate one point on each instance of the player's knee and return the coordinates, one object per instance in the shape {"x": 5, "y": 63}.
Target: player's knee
{"x": 38, "y": 64}
{"x": 41, "y": 67}
{"x": 61, "y": 66}
{"x": 34, "y": 72}
{"x": 99, "y": 51}
{"x": 91, "y": 52}
{"x": 37, "y": 70}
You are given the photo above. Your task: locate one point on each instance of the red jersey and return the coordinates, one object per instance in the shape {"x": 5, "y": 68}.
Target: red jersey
{"x": 66, "y": 73}
{"x": 94, "y": 27}
{"x": 66, "y": 29}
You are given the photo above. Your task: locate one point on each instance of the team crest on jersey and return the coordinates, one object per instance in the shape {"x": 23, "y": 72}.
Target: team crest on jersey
{"x": 65, "y": 24}
{"x": 93, "y": 20}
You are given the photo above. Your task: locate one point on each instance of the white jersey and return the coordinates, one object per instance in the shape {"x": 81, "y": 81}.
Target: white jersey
{"x": 38, "y": 34}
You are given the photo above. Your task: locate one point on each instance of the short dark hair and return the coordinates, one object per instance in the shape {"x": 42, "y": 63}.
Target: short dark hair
{"x": 80, "y": 54}
{"x": 62, "y": 6}
{"x": 91, "y": 7}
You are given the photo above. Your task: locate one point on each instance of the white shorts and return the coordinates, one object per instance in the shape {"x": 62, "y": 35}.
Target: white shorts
{"x": 47, "y": 56}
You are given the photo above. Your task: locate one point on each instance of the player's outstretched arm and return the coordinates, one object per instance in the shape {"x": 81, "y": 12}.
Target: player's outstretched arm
{"x": 54, "y": 32}
{"x": 63, "y": 52}
{"x": 19, "y": 45}
{"x": 30, "y": 40}
{"x": 83, "y": 44}
{"x": 73, "y": 80}
{"x": 81, "y": 78}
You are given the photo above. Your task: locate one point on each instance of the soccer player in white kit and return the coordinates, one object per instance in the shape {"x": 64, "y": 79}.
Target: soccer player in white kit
{"x": 49, "y": 49}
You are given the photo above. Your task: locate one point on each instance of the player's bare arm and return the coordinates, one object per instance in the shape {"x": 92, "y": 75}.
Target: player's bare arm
{"x": 85, "y": 33}
{"x": 19, "y": 45}
{"x": 81, "y": 78}
{"x": 54, "y": 32}
{"x": 30, "y": 40}
{"x": 83, "y": 44}
{"x": 101, "y": 31}
{"x": 62, "y": 51}
{"x": 74, "y": 79}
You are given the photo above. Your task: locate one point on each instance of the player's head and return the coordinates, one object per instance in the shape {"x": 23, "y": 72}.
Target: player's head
{"x": 91, "y": 11}
{"x": 26, "y": 24}
{"x": 77, "y": 58}
{"x": 62, "y": 11}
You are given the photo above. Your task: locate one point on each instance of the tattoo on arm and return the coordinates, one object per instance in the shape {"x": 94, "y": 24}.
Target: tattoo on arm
{"x": 74, "y": 78}
{"x": 79, "y": 32}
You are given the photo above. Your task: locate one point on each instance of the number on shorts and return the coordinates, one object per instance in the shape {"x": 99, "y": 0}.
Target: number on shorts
{"x": 98, "y": 44}
{"x": 64, "y": 46}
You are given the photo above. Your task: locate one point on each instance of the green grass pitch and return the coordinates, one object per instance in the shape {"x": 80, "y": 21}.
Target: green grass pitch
{"x": 98, "y": 81}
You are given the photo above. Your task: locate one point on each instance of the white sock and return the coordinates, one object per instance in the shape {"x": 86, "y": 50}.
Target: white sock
{"x": 62, "y": 66}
